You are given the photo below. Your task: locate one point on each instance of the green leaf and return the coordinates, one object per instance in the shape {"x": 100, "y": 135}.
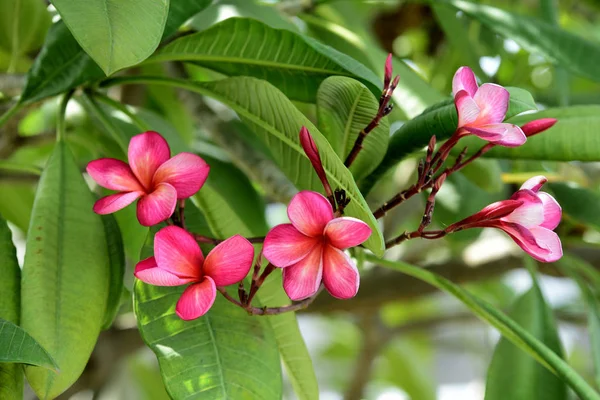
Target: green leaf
{"x": 440, "y": 120}
{"x": 180, "y": 11}
{"x": 224, "y": 354}
{"x": 116, "y": 34}
{"x": 507, "y": 327}
{"x": 574, "y": 137}
{"x": 116, "y": 255}
{"x": 65, "y": 274}
{"x": 23, "y": 24}
{"x": 11, "y": 375}
{"x": 16, "y": 203}
{"x": 581, "y": 204}
{"x": 277, "y": 123}
{"x": 515, "y": 375}
{"x": 294, "y": 63}
{"x": 570, "y": 51}
{"x": 17, "y": 346}
{"x": 345, "y": 107}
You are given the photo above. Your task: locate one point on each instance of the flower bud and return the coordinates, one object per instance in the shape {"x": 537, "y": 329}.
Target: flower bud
{"x": 310, "y": 148}
{"x": 538, "y": 126}
{"x": 387, "y": 76}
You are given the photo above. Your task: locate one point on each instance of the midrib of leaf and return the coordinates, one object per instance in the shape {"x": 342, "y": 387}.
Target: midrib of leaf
{"x": 217, "y": 353}
{"x": 15, "y": 38}
{"x": 110, "y": 39}
{"x": 342, "y": 152}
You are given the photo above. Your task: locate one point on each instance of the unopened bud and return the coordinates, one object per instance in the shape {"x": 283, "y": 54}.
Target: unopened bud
{"x": 395, "y": 82}
{"x": 538, "y": 126}
{"x": 440, "y": 181}
{"x": 312, "y": 152}
{"x": 387, "y": 75}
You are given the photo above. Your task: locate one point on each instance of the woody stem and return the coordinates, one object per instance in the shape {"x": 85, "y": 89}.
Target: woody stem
{"x": 297, "y": 306}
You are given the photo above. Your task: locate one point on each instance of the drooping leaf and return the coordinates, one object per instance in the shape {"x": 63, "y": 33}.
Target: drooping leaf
{"x": 116, "y": 34}
{"x": 440, "y": 120}
{"x": 65, "y": 274}
{"x": 513, "y": 374}
{"x": 11, "y": 375}
{"x": 16, "y": 203}
{"x": 581, "y": 204}
{"x": 293, "y": 63}
{"x": 570, "y": 51}
{"x": 345, "y": 107}
{"x": 507, "y": 326}
{"x": 277, "y": 123}
{"x": 17, "y": 346}
{"x": 180, "y": 11}
{"x": 116, "y": 255}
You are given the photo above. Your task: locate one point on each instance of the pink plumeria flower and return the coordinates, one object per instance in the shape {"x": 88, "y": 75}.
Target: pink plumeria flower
{"x": 311, "y": 248}
{"x": 481, "y": 110}
{"x": 178, "y": 260}
{"x": 529, "y": 217}
{"x": 151, "y": 176}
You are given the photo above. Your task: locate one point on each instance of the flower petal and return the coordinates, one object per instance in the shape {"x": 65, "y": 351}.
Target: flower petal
{"x": 552, "y": 211}
{"x": 467, "y": 109}
{"x": 147, "y": 271}
{"x": 197, "y": 299}
{"x": 346, "y": 232}
{"x": 534, "y": 184}
{"x": 113, "y": 174}
{"x": 186, "y": 172}
{"x": 508, "y": 135}
{"x": 147, "y": 151}
{"x": 157, "y": 206}
{"x": 176, "y": 251}
{"x": 528, "y": 214}
{"x": 464, "y": 79}
{"x": 230, "y": 261}
{"x": 492, "y": 99}
{"x": 340, "y": 275}
{"x": 286, "y": 245}
{"x": 115, "y": 202}
{"x": 303, "y": 279}
{"x": 540, "y": 243}
{"x": 309, "y": 212}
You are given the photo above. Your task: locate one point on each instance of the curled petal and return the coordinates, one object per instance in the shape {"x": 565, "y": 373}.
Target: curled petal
{"x": 340, "y": 275}
{"x": 492, "y": 99}
{"x": 113, "y": 174}
{"x": 303, "y": 279}
{"x": 147, "y": 151}
{"x": 534, "y": 184}
{"x": 528, "y": 214}
{"x": 347, "y": 232}
{"x": 147, "y": 271}
{"x": 115, "y": 202}
{"x": 286, "y": 245}
{"x": 176, "y": 251}
{"x": 230, "y": 261}
{"x": 552, "y": 211}
{"x": 309, "y": 212}
{"x": 466, "y": 108}
{"x": 502, "y": 134}
{"x": 540, "y": 243}
{"x": 157, "y": 206}
{"x": 186, "y": 172}
{"x": 197, "y": 299}
{"x": 464, "y": 79}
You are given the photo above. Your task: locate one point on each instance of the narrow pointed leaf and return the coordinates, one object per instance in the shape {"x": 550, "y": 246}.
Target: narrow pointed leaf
{"x": 344, "y": 108}
{"x": 514, "y": 374}
{"x": 505, "y": 325}
{"x": 17, "y": 346}
{"x": 11, "y": 381}
{"x": 293, "y": 63}
{"x": 116, "y": 255}
{"x": 65, "y": 274}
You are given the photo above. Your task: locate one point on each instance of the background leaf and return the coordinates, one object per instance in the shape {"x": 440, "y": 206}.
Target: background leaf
{"x": 116, "y": 256}
{"x": 344, "y": 108}
{"x": 116, "y": 34}
{"x": 17, "y": 346}
{"x": 65, "y": 275}
{"x": 294, "y": 63}
{"x": 581, "y": 204}
{"x": 513, "y": 374}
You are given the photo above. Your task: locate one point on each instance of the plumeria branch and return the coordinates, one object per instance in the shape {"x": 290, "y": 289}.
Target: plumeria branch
{"x": 295, "y": 306}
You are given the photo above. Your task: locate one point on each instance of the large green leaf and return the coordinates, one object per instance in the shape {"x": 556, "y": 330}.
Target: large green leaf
{"x": 345, "y": 107}
{"x": 115, "y": 33}
{"x": 277, "y": 123}
{"x": 440, "y": 120}
{"x": 515, "y": 375}
{"x": 574, "y": 137}
{"x": 11, "y": 375}
{"x": 116, "y": 255}
{"x": 65, "y": 275}
{"x": 224, "y": 354}
{"x": 17, "y": 346}
{"x": 294, "y": 63}
{"x": 570, "y": 51}
{"x": 581, "y": 204}
{"x": 507, "y": 327}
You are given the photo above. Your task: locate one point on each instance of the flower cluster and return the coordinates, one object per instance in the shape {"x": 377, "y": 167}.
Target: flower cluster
{"x": 312, "y": 249}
